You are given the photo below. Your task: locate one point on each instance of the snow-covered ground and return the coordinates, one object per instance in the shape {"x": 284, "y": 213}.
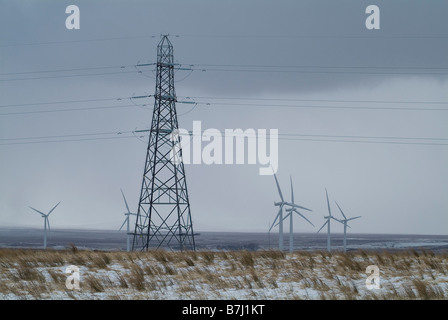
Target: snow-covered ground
{"x": 33, "y": 274}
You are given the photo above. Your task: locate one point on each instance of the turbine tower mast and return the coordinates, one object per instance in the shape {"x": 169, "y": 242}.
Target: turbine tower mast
{"x": 163, "y": 217}
{"x": 328, "y": 218}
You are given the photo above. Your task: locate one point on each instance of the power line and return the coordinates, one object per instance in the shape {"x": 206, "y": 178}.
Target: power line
{"x": 68, "y": 140}
{"x": 233, "y": 68}
{"x": 71, "y": 135}
{"x": 65, "y": 70}
{"x": 257, "y": 105}
{"x": 319, "y": 100}
{"x": 70, "y": 109}
{"x": 316, "y": 72}
{"x": 313, "y": 66}
{"x": 361, "y": 137}
{"x": 227, "y": 98}
{"x": 219, "y": 104}
{"x": 63, "y": 138}
{"x": 371, "y": 142}
{"x": 76, "y": 41}
{"x": 229, "y": 65}
{"x": 282, "y": 136}
{"x": 72, "y": 101}
{"x": 57, "y": 102}
{"x": 282, "y": 36}
{"x": 78, "y": 69}
{"x": 291, "y": 139}
{"x": 71, "y": 76}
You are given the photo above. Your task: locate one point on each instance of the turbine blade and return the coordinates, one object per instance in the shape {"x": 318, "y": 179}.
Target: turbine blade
{"x": 354, "y": 218}
{"x": 48, "y": 222}
{"x": 341, "y": 211}
{"x": 287, "y": 215}
{"x": 328, "y": 202}
{"x": 43, "y": 214}
{"x": 53, "y": 208}
{"x": 283, "y": 218}
{"x": 292, "y": 190}
{"x": 338, "y": 220}
{"x": 276, "y": 217}
{"x": 125, "y": 202}
{"x": 278, "y": 187}
{"x": 299, "y": 207}
{"x": 322, "y": 226}
{"x": 124, "y": 223}
{"x": 303, "y": 217}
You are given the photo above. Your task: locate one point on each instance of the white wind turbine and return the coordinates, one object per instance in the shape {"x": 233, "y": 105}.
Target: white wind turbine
{"x": 329, "y": 217}
{"x": 344, "y": 222}
{"x": 279, "y": 216}
{"x": 291, "y": 210}
{"x": 127, "y": 214}
{"x": 46, "y": 222}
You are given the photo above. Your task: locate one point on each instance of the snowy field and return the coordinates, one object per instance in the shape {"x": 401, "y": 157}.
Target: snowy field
{"x": 263, "y": 274}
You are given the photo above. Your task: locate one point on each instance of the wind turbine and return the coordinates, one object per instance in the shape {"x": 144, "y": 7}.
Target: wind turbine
{"x": 279, "y": 216}
{"x": 46, "y": 222}
{"x": 291, "y": 210}
{"x": 329, "y": 217}
{"x": 345, "y": 221}
{"x": 127, "y": 214}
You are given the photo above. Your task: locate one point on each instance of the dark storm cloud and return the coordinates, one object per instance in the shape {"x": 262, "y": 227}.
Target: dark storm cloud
{"x": 295, "y": 34}
{"x": 326, "y": 41}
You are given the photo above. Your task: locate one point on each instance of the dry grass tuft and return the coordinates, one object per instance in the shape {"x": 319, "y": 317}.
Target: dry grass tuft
{"x": 95, "y": 284}
{"x": 136, "y": 278}
{"x": 264, "y": 274}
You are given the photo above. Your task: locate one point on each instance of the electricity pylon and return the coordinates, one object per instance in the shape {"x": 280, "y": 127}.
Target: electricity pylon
{"x": 163, "y": 216}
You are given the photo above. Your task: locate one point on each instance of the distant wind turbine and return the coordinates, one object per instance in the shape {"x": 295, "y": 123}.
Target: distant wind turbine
{"x": 127, "y": 214}
{"x": 279, "y": 215}
{"x": 290, "y": 215}
{"x": 329, "y": 217}
{"x": 344, "y": 222}
{"x": 293, "y": 208}
{"x": 46, "y": 222}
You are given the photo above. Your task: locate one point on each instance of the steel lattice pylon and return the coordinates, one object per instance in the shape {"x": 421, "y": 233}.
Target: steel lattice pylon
{"x": 163, "y": 216}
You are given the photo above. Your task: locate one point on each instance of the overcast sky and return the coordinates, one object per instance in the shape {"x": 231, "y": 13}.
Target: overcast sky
{"x": 318, "y": 73}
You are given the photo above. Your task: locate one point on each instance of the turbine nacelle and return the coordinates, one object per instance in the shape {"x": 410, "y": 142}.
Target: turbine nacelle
{"x": 297, "y": 206}
{"x": 336, "y": 219}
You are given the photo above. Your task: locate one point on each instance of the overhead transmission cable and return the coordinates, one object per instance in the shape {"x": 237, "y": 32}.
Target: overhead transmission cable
{"x": 281, "y": 136}
{"x": 236, "y": 68}
{"x": 234, "y": 36}
{"x": 209, "y": 101}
